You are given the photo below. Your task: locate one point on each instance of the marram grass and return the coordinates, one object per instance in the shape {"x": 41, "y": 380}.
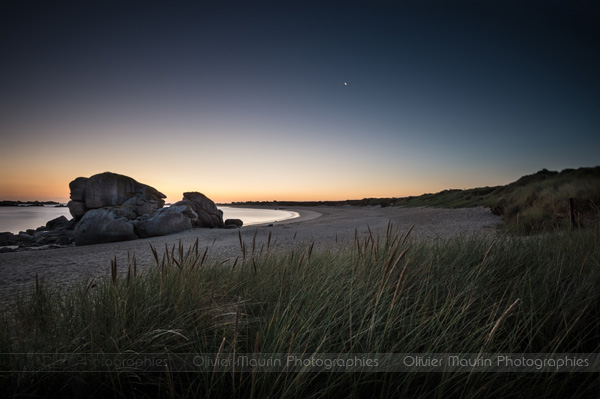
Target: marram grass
{"x": 380, "y": 294}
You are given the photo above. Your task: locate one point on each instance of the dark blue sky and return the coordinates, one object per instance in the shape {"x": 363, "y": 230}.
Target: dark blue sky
{"x": 439, "y": 95}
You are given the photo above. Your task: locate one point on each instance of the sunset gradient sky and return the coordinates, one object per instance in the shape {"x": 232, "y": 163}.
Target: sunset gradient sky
{"x": 247, "y": 101}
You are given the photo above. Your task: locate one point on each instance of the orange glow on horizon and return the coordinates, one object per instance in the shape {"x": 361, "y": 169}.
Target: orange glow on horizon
{"x": 277, "y": 176}
{"x": 58, "y": 190}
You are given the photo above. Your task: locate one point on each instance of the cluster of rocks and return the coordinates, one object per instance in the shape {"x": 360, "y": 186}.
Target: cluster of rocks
{"x": 56, "y": 233}
{"x": 109, "y": 207}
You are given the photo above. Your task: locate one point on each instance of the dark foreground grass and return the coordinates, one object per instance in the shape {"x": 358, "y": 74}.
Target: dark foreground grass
{"x": 379, "y": 295}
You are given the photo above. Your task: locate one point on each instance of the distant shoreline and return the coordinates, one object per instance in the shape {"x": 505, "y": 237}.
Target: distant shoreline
{"x": 29, "y": 203}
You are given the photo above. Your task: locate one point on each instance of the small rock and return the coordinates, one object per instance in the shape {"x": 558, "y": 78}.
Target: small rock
{"x": 59, "y": 222}
{"x": 25, "y": 238}
{"x": 57, "y": 237}
{"x": 234, "y": 222}
{"x": 7, "y": 238}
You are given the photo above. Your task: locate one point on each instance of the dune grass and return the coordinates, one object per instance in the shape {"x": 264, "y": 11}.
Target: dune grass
{"x": 380, "y": 294}
{"x": 533, "y": 204}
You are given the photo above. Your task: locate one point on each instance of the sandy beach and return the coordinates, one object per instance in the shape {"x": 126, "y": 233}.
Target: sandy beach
{"x": 323, "y": 225}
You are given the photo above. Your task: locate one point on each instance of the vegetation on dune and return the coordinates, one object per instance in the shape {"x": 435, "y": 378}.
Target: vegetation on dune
{"x": 382, "y": 294}
{"x": 534, "y": 203}
{"x": 538, "y": 202}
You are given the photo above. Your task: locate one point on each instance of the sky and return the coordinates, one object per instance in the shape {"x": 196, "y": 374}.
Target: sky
{"x": 295, "y": 100}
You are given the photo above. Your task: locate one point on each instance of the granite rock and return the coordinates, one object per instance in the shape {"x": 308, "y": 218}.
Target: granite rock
{"x": 111, "y": 189}
{"x": 77, "y": 209}
{"x": 208, "y": 213}
{"x": 77, "y": 188}
{"x": 234, "y": 222}
{"x": 101, "y": 226}
{"x": 166, "y": 221}
{"x": 60, "y": 222}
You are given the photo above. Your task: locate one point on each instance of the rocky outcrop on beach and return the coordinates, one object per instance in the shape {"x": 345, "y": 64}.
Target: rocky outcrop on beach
{"x": 109, "y": 207}
{"x": 110, "y": 190}
{"x": 208, "y": 213}
{"x": 55, "y": 234}
{"x": 57, "y": 231}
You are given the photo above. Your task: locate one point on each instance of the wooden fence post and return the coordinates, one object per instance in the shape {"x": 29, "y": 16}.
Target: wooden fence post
{"x": 572, "y": 212}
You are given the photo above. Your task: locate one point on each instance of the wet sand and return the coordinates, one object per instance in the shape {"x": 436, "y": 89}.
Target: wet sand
{"x": 324, "y": 225}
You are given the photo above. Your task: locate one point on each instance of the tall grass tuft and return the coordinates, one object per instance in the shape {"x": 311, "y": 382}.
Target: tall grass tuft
{"x": 379, "y": 294}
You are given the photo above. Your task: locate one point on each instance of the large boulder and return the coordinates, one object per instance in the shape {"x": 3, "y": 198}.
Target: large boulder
{"x": 101, "y": 226}
{"x": 110, "y": 189}
{"x": 167, "y": 221}
{"x": 77, "y": 204}
{"x": 113, "y": 190}
{"x": 208, "y": 213}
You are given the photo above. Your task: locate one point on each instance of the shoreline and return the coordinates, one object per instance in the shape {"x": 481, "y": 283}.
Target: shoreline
{"x": 323, "y": 225}
{"x": 14, "y": 224}
{"x": 303, "y": 214}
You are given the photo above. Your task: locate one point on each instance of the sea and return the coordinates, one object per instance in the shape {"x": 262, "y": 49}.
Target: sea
{"x": 20, "y": 218}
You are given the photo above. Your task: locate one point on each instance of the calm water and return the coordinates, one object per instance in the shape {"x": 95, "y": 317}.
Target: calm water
{"x": 257, "y": 216}
{"x": 21, "y": 218}
{"x": 15, "y": 219}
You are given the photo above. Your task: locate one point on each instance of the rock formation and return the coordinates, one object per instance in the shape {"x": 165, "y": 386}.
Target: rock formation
{"x": 208, "y": 213}
{"x": 120, "y": 208}
{"x": 109, "y": 190}
{"x": 108, "y": 207}
{"x": 56, "y": 233}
